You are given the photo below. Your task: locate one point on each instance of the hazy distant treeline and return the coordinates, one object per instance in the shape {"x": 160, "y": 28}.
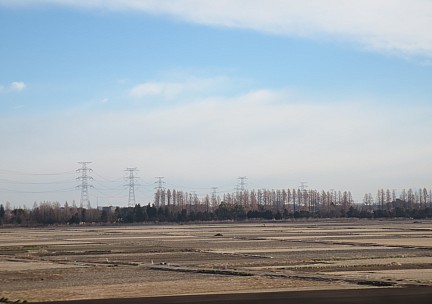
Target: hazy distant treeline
{"x": 179, "y": 206}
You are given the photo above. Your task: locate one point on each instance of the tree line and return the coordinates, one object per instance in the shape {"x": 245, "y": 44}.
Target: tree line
{"x": 179, "y": 206}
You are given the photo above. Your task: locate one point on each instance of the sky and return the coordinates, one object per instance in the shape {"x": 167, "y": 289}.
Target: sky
{"x": 334, "y": 93}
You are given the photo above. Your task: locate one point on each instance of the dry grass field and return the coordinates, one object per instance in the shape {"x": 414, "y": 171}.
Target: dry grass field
{"x": 92, "y": 262}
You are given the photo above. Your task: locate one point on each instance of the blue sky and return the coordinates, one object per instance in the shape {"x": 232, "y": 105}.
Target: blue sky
{"x": 338, "y": 95}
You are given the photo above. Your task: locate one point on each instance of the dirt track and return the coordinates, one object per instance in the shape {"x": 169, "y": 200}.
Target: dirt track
{"x": 417, "y": 295}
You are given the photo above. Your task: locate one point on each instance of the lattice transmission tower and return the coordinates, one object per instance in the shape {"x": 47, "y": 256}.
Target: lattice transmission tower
{"x": 241, "y": 187}
{"x": 242, "y": 183}
{"x": 159, "y": 190}
{"x": 131, "y": 177}
{"x": 214, "y": 196}
{"x": 84, "y": 170}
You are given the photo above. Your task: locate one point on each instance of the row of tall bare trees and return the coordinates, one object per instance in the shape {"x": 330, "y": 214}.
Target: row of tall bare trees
{"x": 276, "y": 200}
{"x": 177, "y": 205}
{"x": 411, "y": 198}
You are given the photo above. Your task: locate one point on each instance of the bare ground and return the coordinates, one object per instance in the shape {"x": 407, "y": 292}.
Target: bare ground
{"x": 418, "y": 295}
{"x": 80, "y": 263}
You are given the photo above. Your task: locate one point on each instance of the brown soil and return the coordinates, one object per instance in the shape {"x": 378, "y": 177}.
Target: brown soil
{"x": 418, "y": 295}
{"x": 73, "y": 263}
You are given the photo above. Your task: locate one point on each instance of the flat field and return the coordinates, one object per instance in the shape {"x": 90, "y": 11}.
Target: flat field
{"x": 103, "y": 262}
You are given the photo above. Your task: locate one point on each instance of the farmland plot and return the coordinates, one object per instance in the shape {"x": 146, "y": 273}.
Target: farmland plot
{"x": 60, "y": 263}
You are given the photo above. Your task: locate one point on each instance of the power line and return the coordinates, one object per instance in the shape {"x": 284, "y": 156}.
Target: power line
{"x": 107, "y": 179}
{"x": 10, "y": 181}
{"x": 37, "y": 192}
{"x": 4, "y": 171}
{"x": 116, "y": 195}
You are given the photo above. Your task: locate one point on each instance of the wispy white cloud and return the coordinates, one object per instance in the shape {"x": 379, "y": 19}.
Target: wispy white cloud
{"x": 172, "y": 89}
{"x": 13, "y": 86}
{"x": 17, "y": 86}
{"x": 156, "y": 88}
{"x": 401, "y": 26}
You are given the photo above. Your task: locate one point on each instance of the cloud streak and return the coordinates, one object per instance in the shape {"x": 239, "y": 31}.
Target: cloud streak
{"x": 175, "y": 89}
{"x": 397, "y": 26}
{"x": 17, "y": 86}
